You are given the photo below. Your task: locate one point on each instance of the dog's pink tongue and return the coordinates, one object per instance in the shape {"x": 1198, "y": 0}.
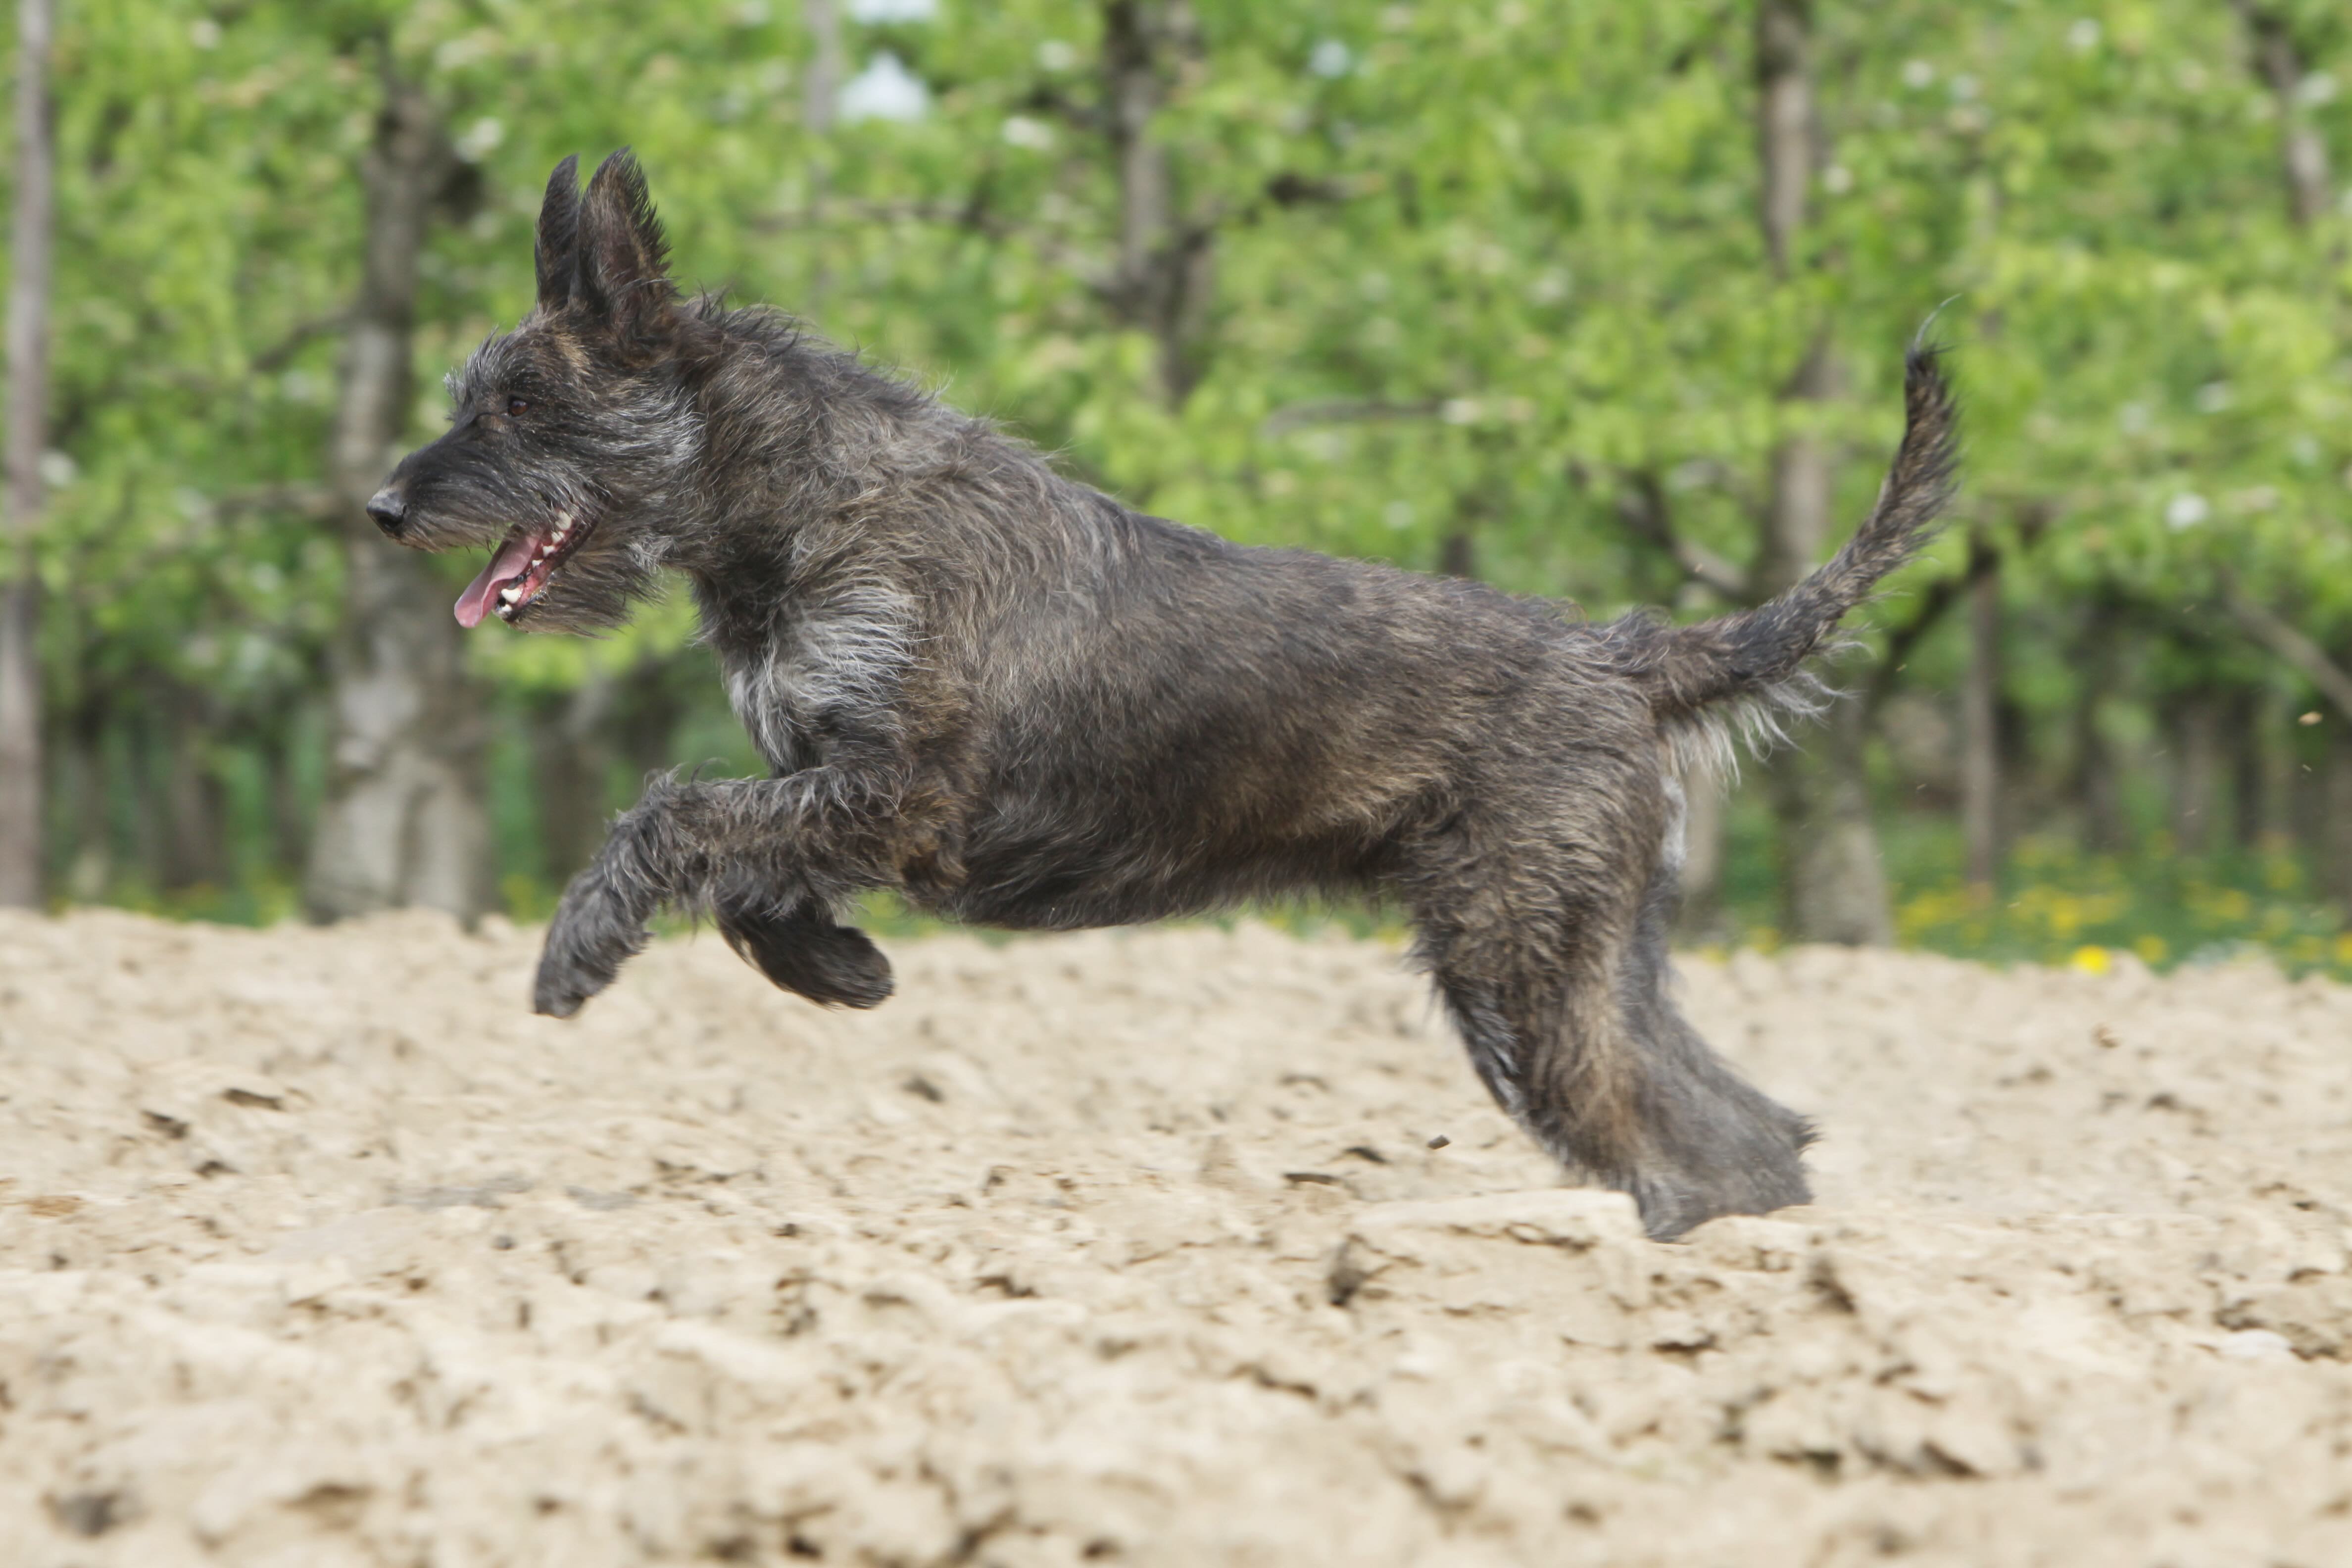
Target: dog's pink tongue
{"x": 509, "y": 562}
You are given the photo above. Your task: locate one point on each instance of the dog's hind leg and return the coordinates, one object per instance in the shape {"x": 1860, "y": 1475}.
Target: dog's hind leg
{"x": 1713, "y": 1144}
{"x": 1550, "y": 955}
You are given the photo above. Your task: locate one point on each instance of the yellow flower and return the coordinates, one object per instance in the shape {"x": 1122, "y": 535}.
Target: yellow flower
{"x": 2091, "y": 959}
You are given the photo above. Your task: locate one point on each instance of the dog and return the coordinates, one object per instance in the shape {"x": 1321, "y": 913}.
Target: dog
{"x": 1021, "y": 703}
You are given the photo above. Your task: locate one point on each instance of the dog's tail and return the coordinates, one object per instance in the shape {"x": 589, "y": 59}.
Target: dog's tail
{"x": 1759, "y": 655}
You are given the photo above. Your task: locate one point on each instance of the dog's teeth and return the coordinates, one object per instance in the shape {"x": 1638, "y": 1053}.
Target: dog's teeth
{"x": 509, "y": 595}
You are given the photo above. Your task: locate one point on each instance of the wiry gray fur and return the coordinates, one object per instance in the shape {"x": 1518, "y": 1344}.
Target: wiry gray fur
{"x": 1017, "y": 702}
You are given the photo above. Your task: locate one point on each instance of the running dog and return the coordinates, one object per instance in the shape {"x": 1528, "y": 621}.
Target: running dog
{"x": 1019, "y": 702}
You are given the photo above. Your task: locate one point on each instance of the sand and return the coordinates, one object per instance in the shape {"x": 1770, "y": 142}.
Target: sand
{"x": 317, "y": 1249}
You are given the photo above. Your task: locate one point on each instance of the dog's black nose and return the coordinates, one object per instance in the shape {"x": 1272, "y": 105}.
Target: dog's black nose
{"x": 389, "y": 509}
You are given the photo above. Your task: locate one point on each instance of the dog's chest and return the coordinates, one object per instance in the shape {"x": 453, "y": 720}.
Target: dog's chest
{"x": 766, "y": 701}
{"x": 823, "y": 673}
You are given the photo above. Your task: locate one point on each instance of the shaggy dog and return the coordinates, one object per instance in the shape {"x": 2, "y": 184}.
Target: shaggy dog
{"x": 1018, "y": 702}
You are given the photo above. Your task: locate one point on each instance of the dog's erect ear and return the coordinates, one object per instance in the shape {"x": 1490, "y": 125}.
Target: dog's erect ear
{"x": 624, "y": 260}
{"x": 556, "y": 251}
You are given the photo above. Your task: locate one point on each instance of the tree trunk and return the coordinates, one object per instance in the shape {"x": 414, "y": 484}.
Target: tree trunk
{"x": 821, "y": 84}
{"x": 1834, "y": 889}
{"x": 2336, "y": 819}
{"x": 2303, "y": 162}
{"x": 1784, "y": 122}
{"x": 1166, "y": 267}
{"x": 403, "y": 822}
{"x": 1458, "y": 552}
{"x": 1980, "y": 717}
{"x": 574, "y": 759}
{"x": 194, "y": 805}
{"x": 2098, "y": 788}
{"x": 290, "y": 809}
{"x": 2255, "y": 775}
{"x": 2302, "y": 152}
{"x": 21, "y": 839}
{"x": 2197, "y": 772}
{"x": 1833, "y": 886}
{"x": 89, "y": 864}
{"x": 820, "y": 106}
{"x": 1797, "y": 510}
{"x": 148, "y": 754}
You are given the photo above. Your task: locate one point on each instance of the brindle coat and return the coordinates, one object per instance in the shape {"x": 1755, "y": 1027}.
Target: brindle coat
{"x": 1019, "y": 702}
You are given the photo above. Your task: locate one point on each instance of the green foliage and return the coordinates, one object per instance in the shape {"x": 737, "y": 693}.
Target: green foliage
{"x": 1476, "y": 268}
{"x": 2056, "y": 904}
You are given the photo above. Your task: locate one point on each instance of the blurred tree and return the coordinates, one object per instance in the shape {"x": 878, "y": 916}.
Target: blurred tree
{"x": 2303, "y": 151}
{"x": 1833, "y": 886}
{"x": 404, "y": 821}
{"x": 1486, "y": 289}
{"x": 2283, "y": 37}
{"x": 1162, "y": 279}
{"x": 1980, "y": 717}
{"x": 27, "y": 443}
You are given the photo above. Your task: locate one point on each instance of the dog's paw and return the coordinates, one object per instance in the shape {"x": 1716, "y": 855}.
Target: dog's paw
{"x": 805, "y": 952}
{"x": 1752, "y": 1166}
{"x": 585, "y": 949}
{"x": 564, "y": 984}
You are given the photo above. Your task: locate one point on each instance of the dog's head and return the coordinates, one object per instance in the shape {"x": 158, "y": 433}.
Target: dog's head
{"x": 572, "y": 440}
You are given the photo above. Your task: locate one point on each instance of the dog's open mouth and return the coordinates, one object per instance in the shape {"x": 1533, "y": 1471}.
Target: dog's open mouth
{"x": 519, "y": 568}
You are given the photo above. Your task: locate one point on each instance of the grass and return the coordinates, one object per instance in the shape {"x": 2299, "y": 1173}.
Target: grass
{"x": 2053, "y": 903}
{"x": 2056, "y": 905}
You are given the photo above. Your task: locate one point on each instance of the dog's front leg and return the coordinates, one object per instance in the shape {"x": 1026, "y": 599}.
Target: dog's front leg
{"x": 602, "y": 922}
{"x": 804, "y": 836}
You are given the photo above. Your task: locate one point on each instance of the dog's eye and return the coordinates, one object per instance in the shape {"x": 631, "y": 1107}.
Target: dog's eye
{"x": 517, "y": 405}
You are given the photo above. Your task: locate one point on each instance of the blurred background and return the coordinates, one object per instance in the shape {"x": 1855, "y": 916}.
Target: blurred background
{"x": 1604, "y": 300}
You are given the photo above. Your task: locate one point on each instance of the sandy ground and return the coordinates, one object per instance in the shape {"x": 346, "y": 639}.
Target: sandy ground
{"x": 316, "y": 1250}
